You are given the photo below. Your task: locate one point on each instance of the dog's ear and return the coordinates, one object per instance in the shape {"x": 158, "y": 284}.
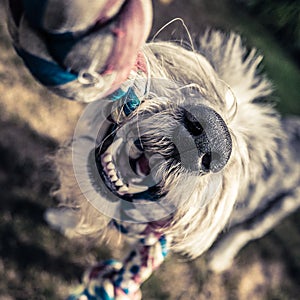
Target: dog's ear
{"x": 202, "y": 139}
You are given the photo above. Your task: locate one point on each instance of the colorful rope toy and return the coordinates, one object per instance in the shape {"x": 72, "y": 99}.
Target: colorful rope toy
{"x": 85, "y": 52}
{"x": 115, "y": 280}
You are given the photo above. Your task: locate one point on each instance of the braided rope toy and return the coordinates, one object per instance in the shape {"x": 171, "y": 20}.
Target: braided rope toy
{"x": 111, "y": 279}
{"x": 86, "y": 52}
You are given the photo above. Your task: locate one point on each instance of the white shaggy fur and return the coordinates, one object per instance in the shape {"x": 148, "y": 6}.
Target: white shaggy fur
{"x": 225, "y": 75}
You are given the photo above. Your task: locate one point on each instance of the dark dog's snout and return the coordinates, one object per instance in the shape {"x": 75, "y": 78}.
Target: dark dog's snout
{"x": 202, "y": 140}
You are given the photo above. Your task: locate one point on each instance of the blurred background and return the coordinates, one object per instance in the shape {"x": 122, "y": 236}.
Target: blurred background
{"x": 39, "y": 263}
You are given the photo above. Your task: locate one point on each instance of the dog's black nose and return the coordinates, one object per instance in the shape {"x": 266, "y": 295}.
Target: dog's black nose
{"x": 202, "y": 140}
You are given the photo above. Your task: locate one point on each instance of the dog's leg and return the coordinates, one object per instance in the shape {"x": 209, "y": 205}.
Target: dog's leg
{"x": 269, "y": 212}
{"x": 221, "y": 256}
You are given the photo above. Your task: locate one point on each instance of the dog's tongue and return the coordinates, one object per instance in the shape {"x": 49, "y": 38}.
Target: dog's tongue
{"x": 132, "y": 28}
{"x": 143, "y": 165}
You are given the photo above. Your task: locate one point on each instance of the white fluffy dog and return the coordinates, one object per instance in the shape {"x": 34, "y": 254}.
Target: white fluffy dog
{"x": 200, "y": 149}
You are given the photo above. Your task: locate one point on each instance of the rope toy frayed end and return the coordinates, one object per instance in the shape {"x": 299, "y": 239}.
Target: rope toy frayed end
{"x": 113, "y": 280}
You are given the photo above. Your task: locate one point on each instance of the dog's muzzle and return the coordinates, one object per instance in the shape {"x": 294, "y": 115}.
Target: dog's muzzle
{"x": 200, "y": 144}
{"x": 134, "y": 155}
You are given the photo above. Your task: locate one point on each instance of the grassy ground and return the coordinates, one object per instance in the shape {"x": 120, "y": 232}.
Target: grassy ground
{"x": 38, "y": 263}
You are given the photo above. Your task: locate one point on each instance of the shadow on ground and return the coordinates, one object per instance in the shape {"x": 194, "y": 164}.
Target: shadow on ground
{"x": 36, "y": 262}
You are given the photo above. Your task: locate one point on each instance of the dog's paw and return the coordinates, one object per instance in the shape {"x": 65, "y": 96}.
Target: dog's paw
{"x": 61, "y": 219}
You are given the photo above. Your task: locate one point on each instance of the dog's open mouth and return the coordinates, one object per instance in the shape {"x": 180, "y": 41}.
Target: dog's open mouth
{"x": 125, "y": 167}
{"x": 114, "y": 168}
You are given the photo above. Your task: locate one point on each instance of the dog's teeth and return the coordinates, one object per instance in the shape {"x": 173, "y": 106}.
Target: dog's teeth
{"x": 114, "y": 178}
{"x": 111, "y": 172}
{"x": 110, "y": 166}
{"x": 123, "y": 189}
{"x": 114, "y": 146}
{"x": 113, "y": 175}
{"x": 103, "y": 163}
{"x": 137, "y": 189}
{"x": 119, "y": 183}
{"x": 107, "y": 158}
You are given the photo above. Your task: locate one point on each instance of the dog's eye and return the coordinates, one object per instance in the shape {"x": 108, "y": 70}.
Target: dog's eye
{"x": 127, "y": 103}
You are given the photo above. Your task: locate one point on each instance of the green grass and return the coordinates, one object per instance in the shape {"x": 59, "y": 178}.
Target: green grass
{"x": 279, "y": 65}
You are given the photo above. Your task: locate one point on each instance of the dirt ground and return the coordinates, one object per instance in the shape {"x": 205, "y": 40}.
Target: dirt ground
{"x": 37, "y": 262}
